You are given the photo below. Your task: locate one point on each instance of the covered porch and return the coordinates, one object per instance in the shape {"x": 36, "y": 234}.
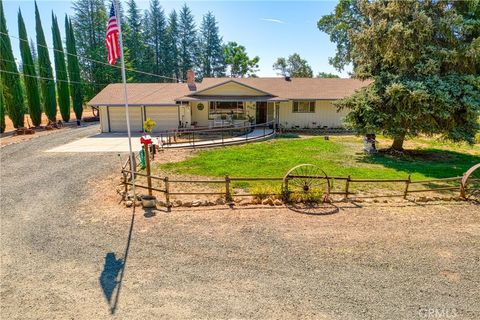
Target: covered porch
{"x": 237, "y": 111}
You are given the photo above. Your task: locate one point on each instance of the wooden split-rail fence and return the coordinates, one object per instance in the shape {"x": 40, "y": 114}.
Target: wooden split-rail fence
{"x": 345, "y": 191}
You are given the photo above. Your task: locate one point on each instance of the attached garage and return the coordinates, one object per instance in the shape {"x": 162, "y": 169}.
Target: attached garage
{"x": 166, "y": 117}
{"x": 117, "y": 120}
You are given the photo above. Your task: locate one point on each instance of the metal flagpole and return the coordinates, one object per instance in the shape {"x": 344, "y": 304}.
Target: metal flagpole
{"x": 124, "y": 80}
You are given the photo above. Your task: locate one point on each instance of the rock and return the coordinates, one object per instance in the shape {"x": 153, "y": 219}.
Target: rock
{"x": 267, "y": 201}
{"x": 422, "y": 199}
{"x": 376, "y": 201}
{"x": 358, "y": 200}
{"x": 196, "y": 203}
{"x": 220, "y": 201}
{"x": 244, "y": 203}
{"x": 187, "y": 204}
{"x": 177, "y": 203}
{"x": 128, "y": 203}
{"x": 161, "y": 203}
{"x": 385, "y": 201}
{"x": 277, "y": 202}
{"x": 256, "y": 201}
{"x": 209, "y": 203}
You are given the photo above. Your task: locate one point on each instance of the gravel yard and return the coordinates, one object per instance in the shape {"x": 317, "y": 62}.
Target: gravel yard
{"x": 70, "y": 251}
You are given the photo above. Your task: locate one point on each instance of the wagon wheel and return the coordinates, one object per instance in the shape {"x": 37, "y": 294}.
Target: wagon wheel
{"x": 307, "y": 182}
{"x": 471, "y": 183}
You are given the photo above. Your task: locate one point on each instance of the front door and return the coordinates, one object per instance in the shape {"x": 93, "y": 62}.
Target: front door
{"x": 261, "y": 113}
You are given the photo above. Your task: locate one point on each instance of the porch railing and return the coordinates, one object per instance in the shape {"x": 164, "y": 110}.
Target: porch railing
{"x": 206, "y": 137}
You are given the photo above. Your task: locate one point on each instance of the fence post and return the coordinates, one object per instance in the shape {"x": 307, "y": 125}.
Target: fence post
{"x": 347, "y": 186}
{"x": 149, "y": 177}
{"x": 167, "y": 194}
{"x": 286, "y": 193}
{"x": 193, "y": 138}
{"x": 407, "y": 183}
{"x": 228, "y": 196}
{"x": 222, "y": 136}
{"x": 125, "y": 197}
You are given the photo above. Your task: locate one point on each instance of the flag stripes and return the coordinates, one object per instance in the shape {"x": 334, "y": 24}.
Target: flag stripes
{"x": 111, "y": 40}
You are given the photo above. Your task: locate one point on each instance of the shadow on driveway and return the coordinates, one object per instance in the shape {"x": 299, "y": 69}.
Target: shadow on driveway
{"x": 113, "y": 271}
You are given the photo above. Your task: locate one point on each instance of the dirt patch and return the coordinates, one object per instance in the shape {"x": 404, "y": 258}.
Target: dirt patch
{"x": 368, "y": 260}
{"x": 9, "y": 136}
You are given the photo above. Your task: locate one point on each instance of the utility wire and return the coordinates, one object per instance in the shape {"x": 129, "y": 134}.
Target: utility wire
{"x": 100, "y": 62}
{"x": 35, "y": 66}
{"x": 38, "y": 77}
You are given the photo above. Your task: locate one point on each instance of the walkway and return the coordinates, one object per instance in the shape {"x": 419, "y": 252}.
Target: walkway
{"x": 118, "y": 142}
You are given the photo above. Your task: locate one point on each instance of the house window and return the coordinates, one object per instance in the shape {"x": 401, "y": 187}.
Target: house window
{"x": 217, "y": 108}
{"x": 303, "y": 106}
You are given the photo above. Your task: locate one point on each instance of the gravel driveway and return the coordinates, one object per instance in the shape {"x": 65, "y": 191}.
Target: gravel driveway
{"x": 69, "y": 252}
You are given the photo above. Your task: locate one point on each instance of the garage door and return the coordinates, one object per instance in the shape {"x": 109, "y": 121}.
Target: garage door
{"x": 118, "y": 120}
{"x": 165, "y": 117}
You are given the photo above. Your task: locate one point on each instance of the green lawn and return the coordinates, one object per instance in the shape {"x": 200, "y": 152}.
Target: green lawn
{"x": 339, "y": 156}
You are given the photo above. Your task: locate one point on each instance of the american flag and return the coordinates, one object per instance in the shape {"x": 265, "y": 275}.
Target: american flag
{"x": 111, "y": 40}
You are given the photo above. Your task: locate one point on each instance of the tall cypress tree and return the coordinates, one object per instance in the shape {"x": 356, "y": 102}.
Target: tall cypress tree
{"x": 61, "y": 72}
{"x": 29, "y": 74}
{"x": 47, "y": 84}
{"x": 211, "y": 49}
{"x": 2, "y": 110}
{"x": 187, "y": 39}
{"x": 12, "y": 88}
{"x": 74, "y": 71}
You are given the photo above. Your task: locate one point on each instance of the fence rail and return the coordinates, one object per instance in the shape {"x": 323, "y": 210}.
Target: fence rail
{"x": 346, "y": 189}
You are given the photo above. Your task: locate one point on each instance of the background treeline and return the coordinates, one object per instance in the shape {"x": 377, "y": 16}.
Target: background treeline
{"x": 159, "y": 47}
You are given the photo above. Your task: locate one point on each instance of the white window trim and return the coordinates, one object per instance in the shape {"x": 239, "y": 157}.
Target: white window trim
{"x": 309, "y": 106}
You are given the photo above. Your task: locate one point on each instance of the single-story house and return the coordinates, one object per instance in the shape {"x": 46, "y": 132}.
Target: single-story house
{"x": 289, "y": 102}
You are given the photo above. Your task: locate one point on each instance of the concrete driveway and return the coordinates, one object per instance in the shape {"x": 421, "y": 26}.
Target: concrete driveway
{"x": 100, "y": 142}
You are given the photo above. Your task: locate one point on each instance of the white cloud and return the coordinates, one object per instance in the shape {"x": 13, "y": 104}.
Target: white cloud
{"x": 273, "y": 20}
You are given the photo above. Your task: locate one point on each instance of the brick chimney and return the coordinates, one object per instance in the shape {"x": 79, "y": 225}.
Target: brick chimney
{"x": 191, "y": 80}
{"x": 190, "y": 76}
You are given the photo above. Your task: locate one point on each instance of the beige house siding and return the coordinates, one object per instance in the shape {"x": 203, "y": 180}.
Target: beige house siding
{"x": 200, "y": 116}
{"x": 231, "y": 89}
{"x": 103, "y": 119}
{"x": 325, "y": 115}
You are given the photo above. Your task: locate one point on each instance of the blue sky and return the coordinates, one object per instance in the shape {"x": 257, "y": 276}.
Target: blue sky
{"x": 269, "y": 29}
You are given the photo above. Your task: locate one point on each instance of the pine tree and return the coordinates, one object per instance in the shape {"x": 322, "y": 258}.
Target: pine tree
{"x": 61, "y": 72}
{"x": 187, "y": 40}
{"x": 2, "y": 110}
{"x": 47, "y": 84}
{"x": 12, "y": 88}
{"x": 134, "y": 40}
{"x": 156, "y": 37}
{"x": 172, "y": 63}
{"x": 89, "y": 22}
{"x": 29, "y": 74}
{"x": 73, "y": 70}
{"x": 211, "y": 49}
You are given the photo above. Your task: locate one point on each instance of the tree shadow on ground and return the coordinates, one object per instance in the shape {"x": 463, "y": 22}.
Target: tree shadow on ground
{"x": 113, "y": 271}
{"x": 434, "y": 163}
